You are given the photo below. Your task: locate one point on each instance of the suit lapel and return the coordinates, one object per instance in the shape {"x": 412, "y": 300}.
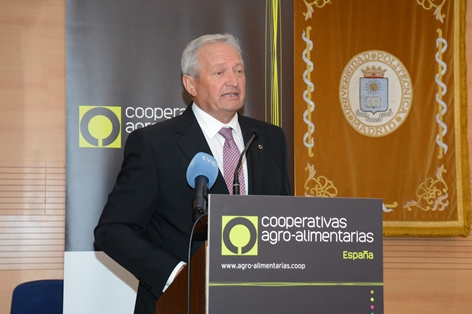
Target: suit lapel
{"x": 192, "y": 141}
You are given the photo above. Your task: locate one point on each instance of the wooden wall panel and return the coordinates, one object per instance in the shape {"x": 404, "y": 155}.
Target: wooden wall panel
{"x": 422, "y": 275}
{"x": 32, "y": 80}
{"x": 32, "y": 139}
{"x": 428, "y": 275}
{"x": 32, "y": 220}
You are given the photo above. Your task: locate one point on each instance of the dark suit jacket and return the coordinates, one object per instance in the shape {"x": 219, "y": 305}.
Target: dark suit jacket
{"x": 146, "y": 223}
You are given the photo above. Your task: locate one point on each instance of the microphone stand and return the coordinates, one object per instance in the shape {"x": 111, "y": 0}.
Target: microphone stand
{"x": 236, "y": 185}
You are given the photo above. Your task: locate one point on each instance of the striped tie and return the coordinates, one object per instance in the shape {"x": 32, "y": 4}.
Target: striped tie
{"x": 230, "y": 160}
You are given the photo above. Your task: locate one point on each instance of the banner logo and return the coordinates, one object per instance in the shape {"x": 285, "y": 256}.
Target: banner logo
{"x": 239, "y": 235}
{"x": 376, "y": 93}
{"x": 100, "y": 127}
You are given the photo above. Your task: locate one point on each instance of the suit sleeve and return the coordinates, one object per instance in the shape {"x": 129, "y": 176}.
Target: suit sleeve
{"x": 120, "y": 232}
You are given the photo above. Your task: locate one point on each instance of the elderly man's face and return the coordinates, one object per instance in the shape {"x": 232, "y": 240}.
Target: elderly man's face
{"x": 221, "y": 86}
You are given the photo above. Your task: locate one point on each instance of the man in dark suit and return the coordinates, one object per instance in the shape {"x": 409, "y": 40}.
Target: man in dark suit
{"x": 146, "y": 223}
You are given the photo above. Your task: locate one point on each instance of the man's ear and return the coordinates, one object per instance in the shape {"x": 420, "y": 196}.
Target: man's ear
{"x": 189, "y": 84}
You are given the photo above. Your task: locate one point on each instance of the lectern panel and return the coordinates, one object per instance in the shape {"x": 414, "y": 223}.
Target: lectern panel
{"x": 278, "y": 254}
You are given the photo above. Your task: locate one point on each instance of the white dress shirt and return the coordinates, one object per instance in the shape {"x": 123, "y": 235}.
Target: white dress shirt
{"x": 210, "y": 127}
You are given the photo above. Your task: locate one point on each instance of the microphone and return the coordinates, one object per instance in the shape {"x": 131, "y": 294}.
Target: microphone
{"x": 201, "y": 175}
{"x": 236, "y": 184}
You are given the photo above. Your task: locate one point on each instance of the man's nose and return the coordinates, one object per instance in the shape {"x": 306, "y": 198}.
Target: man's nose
{"x": 232, "y": 79}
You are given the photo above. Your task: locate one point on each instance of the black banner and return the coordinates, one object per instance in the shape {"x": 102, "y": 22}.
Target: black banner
{"x": 123, "y": 72}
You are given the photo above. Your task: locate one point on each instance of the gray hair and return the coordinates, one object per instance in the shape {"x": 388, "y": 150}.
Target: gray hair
{"x": 190, "y": 64}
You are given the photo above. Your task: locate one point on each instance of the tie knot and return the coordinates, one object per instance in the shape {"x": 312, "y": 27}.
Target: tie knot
{"x": 227, "y": 133}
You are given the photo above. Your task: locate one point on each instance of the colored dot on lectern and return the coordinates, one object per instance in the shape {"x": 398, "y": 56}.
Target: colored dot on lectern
{"x": 372, "y": 300}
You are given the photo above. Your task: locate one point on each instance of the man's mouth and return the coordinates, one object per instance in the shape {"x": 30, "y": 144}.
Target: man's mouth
{"x": 229, "y": 95}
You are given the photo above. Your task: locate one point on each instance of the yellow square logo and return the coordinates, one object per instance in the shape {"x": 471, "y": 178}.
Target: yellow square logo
{"x": 100, "y": 127}
{"x": 239, "y": 235}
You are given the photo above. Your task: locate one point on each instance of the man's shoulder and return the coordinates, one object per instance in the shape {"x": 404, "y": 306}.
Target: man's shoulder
{"x": 252, "y": 121}
{"x": 249, "y": 122}
{"x": 168, "y": 125}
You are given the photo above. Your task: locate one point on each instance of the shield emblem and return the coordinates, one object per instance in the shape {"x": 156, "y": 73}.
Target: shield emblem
{"x": 373, "y": 93}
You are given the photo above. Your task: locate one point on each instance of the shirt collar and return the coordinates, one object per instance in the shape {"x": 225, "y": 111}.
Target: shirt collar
{"x": 210, "y": 126}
